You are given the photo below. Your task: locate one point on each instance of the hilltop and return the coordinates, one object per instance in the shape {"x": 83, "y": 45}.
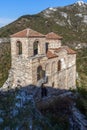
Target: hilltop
{"x": 69, "y": 21}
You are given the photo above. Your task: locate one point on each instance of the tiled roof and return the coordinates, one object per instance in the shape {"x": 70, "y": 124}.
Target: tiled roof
{"x": 51, "y": 55}
{"x": 69, "y": 50}
{"x": 53, "y": 35}
{"x": 28, "y": 33}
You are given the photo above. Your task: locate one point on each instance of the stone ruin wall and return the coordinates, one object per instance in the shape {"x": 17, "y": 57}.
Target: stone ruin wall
{"x": 71, "y": 71}
{"x": 54, "y": 43}
{"x": 25, "y": 68}
{"x": 63, "y": 79}
{"x": 22, "y": 72}
{"x": 35, "y": 63}
{"x": 27, "y": 46}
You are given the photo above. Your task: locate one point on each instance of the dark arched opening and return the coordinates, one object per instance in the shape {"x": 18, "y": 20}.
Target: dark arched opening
{"x": 47, "y": 47}
{"x": 35, "y": 47}
{"x": 19, "y": 48}
{"x": 59, "y": 65}
{"x": 40, "y": 73}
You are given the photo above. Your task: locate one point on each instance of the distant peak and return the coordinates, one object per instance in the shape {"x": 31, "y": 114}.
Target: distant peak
{"x": 80, "y": 2}
{"x": 52, "y": 9}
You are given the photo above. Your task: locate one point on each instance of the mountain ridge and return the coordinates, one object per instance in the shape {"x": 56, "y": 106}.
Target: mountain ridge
{"x": 68, "y": 21}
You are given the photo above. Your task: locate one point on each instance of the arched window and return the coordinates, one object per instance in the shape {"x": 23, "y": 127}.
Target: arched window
{"x": 39, "y": 73}
{"x": 47, "y": 47}
{"x": 19, "y": 48}
{"x": 59, "y": 65}
{"x": 35, "y": 47}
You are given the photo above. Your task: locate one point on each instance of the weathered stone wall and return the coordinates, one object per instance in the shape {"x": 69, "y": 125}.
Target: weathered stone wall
{"x": 54, "y": 43}
{"x": 27, "y": 46}
{"x": 62, "y": 79}
{"x": 41, "y": 46}
{"x": 25, "y": 50}
{"x": 4, "y": 40}
{"x": 71, "y": 60}
{"x": 40, "y": 61}
{"x": 62, "y": 73}
{"x": 51, "y": 71}
{"x": 22, "y": 71}
{"x": 25, "y": 66}
{"x": 71, "y": 71}
{"x": 71, "y": 77}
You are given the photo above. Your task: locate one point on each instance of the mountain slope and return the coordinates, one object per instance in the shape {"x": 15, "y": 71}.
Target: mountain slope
{"x": 69, "y": 21}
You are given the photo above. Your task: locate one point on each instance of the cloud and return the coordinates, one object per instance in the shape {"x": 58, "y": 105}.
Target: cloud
{"x": 5, "y": 21}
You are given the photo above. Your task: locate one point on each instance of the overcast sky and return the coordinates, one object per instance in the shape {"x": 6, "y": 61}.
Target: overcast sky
{"x": 12, "y": 9}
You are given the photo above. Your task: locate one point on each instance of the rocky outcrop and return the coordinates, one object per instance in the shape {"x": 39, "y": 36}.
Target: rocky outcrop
{"x": 9, "y": 82}
{"x": 4, "y": 40}
{"x": 77, "y": 120}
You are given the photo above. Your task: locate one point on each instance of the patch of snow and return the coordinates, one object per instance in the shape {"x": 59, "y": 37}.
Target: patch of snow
{"x": 47, "y": 15}
{"x": 78, "y": 46}
{"x": 61, "y": 23}
{"x": 69, "y": 22}
{"x": 46, "y": 21}
{"x": 80, "y": 2}
{"x": 53, "y": 9}
{"x": 47, "y": 12}
{"x": 80, "y": 15}
{"x": 64, "y": 14}
{"x": 85, "y": 19}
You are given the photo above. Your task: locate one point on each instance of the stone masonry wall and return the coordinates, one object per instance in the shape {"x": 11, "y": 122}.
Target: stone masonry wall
{"x": 41, "y": 46}
{"x": 54, "y": 43}
{"x": 71, "y": 77}
{"x": 71, "y": 71}
{"x": 24, "y": 42}
{"x": 22, "y": 71}
{"x": 35, "y": 63}
{"x": 25, "y": 66}
{"x": 27, "y": 46}
{"x": 51, "y": 71}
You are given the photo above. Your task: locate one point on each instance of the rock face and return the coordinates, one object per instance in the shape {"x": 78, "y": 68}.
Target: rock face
{"x": 9, "y": 82}
{"x": 22, "y": 109}
{"x": 24, "y": 104}
{"x": 66, "y": 16}
{"x": 78, "y": 120}
{"x": 38, "y": 58}
{"x": 4, "y": 40}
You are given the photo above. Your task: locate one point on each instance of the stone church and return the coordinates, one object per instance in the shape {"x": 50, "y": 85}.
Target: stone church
{"x": 38, "y": 58}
